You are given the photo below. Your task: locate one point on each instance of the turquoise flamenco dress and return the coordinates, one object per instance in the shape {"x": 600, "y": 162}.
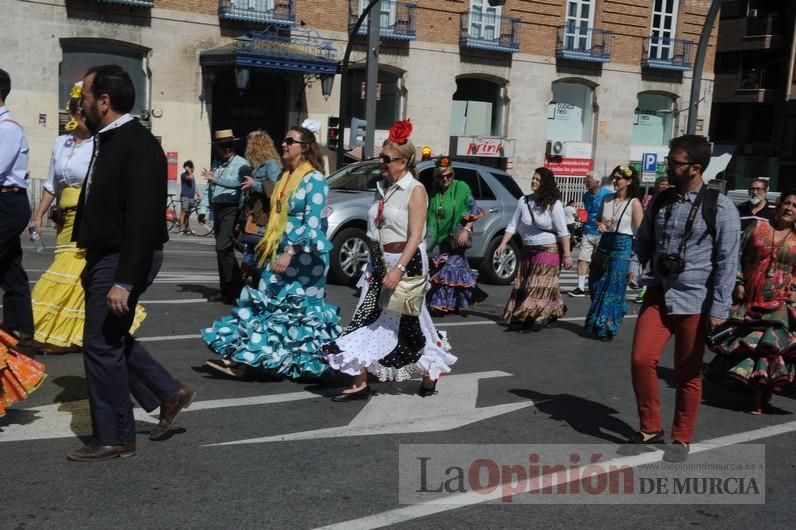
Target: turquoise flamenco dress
{"x": 279, "y": 327}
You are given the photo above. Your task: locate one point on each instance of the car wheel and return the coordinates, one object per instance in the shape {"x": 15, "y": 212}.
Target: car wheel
{"x": 500, "y": 269}
{"x": 349, "y": 254}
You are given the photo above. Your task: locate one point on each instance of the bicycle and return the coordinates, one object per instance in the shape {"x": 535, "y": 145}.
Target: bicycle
{"x": 198, "y": 225}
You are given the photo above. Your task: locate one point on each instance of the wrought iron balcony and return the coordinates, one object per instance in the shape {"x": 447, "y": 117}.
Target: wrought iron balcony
{"x": 269, "y": 11}
{"x": 397, "y": 20}
{"x": 486, "y": 31}
{"x": 131, "y": 3}
{"x": 583, "y": 44}
{"x": 664, "y": 53}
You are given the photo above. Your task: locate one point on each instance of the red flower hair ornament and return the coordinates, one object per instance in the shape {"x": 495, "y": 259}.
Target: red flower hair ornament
{"x": 400, "y": 131}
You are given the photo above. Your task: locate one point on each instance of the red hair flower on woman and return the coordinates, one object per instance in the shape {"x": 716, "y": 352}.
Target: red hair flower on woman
{"x": 400, "y": 131}
{"x": 443, "y": 161}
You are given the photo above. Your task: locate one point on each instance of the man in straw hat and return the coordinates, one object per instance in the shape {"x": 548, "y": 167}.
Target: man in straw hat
{"x": 225, "y": 193}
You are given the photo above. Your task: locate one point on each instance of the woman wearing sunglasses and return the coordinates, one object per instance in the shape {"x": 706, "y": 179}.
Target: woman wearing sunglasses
{"x": 386, "y": 343}
{"x": 451, "y": 214}
{"x": 618, "y": 221}
{"x": 278, "y": 328}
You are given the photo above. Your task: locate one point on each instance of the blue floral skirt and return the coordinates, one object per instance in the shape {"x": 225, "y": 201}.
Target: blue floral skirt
{"x": 608, "y": 304}
{"x": 279, "y": 328}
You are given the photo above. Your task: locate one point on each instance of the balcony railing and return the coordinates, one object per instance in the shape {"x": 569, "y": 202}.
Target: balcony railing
{"x": 583, "y": 44}
{"x": 397, "y": 20}
{"x": 486, "y": 31}
{"x": 763, "y": 25}
{"x": 271, "y": 11}
{"x": 664, "y": 53}
{"x": 131, "y": 3}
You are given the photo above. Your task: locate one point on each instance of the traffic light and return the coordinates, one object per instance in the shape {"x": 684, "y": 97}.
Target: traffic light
{"x": 358, "y": 130}
{"x": 333, "y": 132}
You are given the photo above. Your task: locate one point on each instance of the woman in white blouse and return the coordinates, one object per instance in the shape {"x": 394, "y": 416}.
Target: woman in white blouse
{"x": 535, "y": 301}
{"x": 58, "y": 297}
{"x": 391, "y": 345}
{"x": 619, "y": 219}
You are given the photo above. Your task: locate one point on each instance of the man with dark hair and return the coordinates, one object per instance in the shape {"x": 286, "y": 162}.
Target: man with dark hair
{"x": 121, "y": 224}
{"x": 14, "y": 217}
{"x": 187, "y": 195}
{"x": 757, "y": 207}
{"x": 693, "y": 258}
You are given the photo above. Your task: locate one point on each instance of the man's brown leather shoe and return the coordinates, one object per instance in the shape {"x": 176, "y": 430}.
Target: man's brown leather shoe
{"x": 169, "y": 411}
{"x": 94, "y": 452}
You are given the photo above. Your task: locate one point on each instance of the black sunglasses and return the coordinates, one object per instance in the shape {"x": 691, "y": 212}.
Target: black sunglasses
{"x": 674, "y": 164}
{"x": 386, "y": 159}
{"x": 290, "y": 141}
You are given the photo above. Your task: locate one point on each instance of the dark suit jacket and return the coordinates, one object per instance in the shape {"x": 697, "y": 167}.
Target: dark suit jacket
{"x": 124, "y": 211}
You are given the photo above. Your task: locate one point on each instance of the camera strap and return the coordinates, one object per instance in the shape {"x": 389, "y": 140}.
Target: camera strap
{"x": 689, "y": 223}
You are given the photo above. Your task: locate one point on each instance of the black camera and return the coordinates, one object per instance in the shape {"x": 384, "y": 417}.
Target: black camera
{"x": 670, "y": 265}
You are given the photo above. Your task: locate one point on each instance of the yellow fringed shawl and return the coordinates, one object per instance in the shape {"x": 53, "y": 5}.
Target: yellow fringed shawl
{"x": 277, "y": 218}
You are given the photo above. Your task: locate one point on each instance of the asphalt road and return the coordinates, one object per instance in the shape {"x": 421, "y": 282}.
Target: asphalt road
{"x": 280, "y": 454}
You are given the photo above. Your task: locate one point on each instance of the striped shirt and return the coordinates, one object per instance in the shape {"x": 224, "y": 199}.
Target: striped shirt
{"x": 706, "y": 284}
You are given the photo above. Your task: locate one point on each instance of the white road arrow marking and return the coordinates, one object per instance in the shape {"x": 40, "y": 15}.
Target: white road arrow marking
{"x": 453, "y": 407}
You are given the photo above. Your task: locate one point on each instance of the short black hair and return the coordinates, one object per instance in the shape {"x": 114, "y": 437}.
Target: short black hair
{"x": 5, "y": 84}
{"x": 113, "y": 80}
{"x": 696, "y": 147}
{"x": 788, "y": 193}
{"x": 188, "y": 163}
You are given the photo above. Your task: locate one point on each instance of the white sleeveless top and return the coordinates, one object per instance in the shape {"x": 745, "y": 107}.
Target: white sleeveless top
{"x": 396, "y": 211}
{"x": 626, "y": 221}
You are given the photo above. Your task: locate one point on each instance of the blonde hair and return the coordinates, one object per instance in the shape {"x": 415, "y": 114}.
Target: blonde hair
{"x": 408, "y": 151}
{"x": 260, "y": 148}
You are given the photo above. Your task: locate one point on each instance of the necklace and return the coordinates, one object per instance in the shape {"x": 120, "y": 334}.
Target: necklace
{"x": 775, "y": 247}
{"x": 616, "y": 207}
{"x": 382, "y": 203}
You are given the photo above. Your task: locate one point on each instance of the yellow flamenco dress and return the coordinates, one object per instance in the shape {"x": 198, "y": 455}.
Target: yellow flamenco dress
{"x": 19, "y": 375}
{"x": 59, "y": 302}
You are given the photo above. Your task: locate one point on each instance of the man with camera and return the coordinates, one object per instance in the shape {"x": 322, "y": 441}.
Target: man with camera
{"x": 690, "y": 236}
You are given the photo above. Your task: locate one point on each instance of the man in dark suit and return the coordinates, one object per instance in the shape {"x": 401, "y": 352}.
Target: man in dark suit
{"x": 121, "y": 224}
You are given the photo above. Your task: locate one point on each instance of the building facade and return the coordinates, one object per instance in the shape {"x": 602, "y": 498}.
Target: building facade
{"x": 571, "y": 84}
{"x": 754, "y": 101}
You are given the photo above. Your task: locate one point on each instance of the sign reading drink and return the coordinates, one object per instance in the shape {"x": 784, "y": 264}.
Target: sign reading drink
{"x": 484, "y": 147}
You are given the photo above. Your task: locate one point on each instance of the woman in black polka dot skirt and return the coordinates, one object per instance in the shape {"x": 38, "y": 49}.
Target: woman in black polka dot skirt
{"x": 390, "y": 345}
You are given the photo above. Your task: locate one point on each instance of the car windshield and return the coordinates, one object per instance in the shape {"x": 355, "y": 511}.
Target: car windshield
{"x": 356, "y": 177}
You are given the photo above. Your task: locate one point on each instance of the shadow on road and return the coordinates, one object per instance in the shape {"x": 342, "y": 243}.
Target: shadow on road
{"x": 583, "y": 415}
{"x": 201, "y": 290}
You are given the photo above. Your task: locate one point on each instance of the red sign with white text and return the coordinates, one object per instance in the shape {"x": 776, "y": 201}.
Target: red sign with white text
{"x": 172, "y": 161}
{"x": 568, "y": 166}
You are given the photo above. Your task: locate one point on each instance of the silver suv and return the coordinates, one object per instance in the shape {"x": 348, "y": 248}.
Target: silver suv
{"x": 351, "y": 194}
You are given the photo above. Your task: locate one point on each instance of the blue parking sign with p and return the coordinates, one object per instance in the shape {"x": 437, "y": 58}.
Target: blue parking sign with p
{"x": 650, "y": 162}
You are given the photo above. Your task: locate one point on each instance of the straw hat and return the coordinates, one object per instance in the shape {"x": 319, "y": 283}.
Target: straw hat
{"x": 224, "y": 136}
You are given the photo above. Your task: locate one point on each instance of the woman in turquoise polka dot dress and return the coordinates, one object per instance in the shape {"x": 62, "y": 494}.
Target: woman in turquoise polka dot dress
{"x": 278, "y": 328}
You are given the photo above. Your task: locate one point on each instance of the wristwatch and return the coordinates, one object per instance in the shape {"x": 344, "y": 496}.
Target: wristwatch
{"x": 401, "y": 268}
{"x": 290, "y": 251}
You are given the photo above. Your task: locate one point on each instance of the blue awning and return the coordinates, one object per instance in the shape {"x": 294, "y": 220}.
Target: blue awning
{"x": 275, "y": 49}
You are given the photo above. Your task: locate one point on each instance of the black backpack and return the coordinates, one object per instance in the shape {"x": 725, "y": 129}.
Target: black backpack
{"x": 709, "y": 207}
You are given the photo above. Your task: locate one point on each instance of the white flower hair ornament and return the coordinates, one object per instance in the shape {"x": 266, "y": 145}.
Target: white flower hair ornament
{"x": 314, "y": 126}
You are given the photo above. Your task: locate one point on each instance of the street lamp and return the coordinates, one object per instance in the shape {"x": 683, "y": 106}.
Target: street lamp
{"x": 242, "y": 79}
{"x": 327, "y": 83}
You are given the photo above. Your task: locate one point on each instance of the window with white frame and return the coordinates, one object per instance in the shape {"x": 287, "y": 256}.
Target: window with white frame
{"x": 387, "y": 12}
{"x": 484, "y": 20}
{"x": 580, "y": 18}
{"x": 664, "y": 24}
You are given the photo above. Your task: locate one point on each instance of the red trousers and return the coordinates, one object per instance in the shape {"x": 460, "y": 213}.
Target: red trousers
{"x": 654, "y": 328}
